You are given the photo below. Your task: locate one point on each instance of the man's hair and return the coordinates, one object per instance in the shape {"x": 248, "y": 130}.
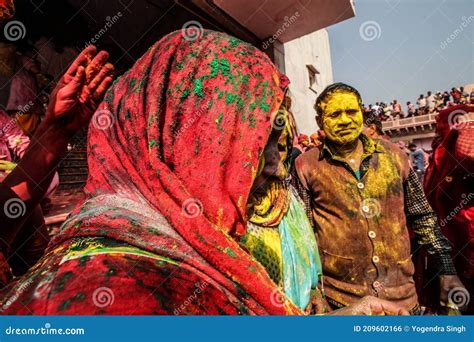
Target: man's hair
{"x": 370, "y": 118}
{"x": 410, "y": 145}
{"x": 331, "y": 89}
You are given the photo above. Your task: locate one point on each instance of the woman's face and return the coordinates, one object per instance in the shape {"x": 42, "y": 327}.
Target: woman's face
{"x": 272, "y": 165}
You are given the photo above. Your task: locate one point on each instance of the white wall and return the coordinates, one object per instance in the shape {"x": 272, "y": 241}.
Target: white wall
{"x": 310, "y": 49}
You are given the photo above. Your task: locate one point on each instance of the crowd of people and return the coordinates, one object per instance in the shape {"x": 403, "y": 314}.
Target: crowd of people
{"x": 431, "y": 103}
{"x": 237, "y": 213}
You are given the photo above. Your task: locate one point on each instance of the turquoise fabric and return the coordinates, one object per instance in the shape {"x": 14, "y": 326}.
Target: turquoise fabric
{"x": 301, "y": 262}
{"x": 357, "y": 174}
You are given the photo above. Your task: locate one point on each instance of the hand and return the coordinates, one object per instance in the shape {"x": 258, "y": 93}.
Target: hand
{"x": 448, "y": 283}
{"x": 79, "y": 92}
{"x": 369, "y": 305}
{"x": 6, "y": 165}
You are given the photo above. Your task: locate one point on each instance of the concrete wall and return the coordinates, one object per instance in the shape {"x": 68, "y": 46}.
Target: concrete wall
{"x": 311, "y": 49}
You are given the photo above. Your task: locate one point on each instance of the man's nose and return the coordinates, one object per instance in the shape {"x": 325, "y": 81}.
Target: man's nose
{"x": 345, "y": 119}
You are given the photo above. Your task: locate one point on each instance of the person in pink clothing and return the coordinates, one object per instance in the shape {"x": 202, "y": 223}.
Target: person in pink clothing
{"x": 13, "y": 142}
{"x": 30, "y": 242}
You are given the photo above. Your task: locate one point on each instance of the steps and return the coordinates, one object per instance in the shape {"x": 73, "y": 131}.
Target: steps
{"x": 73, "y": 170}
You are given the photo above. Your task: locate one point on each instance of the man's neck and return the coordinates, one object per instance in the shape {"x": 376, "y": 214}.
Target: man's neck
{"x": 345, "y": 150}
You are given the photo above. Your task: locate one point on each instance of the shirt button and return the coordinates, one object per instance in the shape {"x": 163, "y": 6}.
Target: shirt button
{"x": 372, "y": 234}
{"x": 375, "y": 259}
{"x": 376, "y": 284}
{"x": 360, "y": 185}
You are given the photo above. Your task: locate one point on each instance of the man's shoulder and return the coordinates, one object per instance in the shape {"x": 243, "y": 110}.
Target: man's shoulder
{"x": 396, "y": 154}
{"x": 390, "y": 147}
{"x": 310, "y": 156}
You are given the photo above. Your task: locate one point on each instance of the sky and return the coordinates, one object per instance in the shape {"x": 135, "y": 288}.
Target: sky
{"x": 399, "y": 49}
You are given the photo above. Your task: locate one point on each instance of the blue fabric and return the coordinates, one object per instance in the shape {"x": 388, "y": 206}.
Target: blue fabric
{"x": 301, "y": 261}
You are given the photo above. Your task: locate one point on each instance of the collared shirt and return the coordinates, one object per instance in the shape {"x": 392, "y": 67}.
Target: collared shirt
{"x": 361, "y": 224}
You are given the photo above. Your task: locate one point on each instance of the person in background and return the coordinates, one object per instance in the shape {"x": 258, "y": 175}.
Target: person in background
{"x": 471, "y": 97}
{"x": 303, "y": 142}
{"x": 403, "y": 146}
{"x": 446, "y": 98}
{"x": 449, "y": 185}
{"x": 31, "y": 240}
{"x": 23, "y": 102}
{"x": 23, "y": 234}
{"x": 376, "y": 108}
{"x": 439, "y": 101}
{"x": 430, "y": 102}
{"x": 464, "y": 96}
{"x": 373, "y": 126}
{"x": 417, "y": 157}
{"x": 456, "y": 95}
{"x": 316, "y": 139}
{"x": 363, "y": 189}
{"x": 388, "y": 111}
{"x": 421, "y": 103}
{"x": 410, "y": 109}
{"x": 397, "y": 109}
{"x": 13, "y": 143}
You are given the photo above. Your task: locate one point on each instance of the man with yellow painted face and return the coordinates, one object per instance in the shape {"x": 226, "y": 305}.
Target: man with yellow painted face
{"x": 361, "y": 193}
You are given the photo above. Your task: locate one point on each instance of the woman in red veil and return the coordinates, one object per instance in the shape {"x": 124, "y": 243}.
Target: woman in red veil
{"x": 173, "y": 152}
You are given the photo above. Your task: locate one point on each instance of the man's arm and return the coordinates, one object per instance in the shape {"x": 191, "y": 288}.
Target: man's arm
{"x": 73, "y": 103}
{"x": 422, "y": 219}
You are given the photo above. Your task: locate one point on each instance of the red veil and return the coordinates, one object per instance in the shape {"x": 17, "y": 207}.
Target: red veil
{"x": 181, "y": 134}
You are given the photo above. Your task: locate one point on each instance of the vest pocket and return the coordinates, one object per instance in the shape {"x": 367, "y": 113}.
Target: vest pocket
{"x": 337, "y": 266}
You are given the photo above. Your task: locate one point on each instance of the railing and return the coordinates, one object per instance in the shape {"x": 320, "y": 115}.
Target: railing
{"x": 413, "y": 121}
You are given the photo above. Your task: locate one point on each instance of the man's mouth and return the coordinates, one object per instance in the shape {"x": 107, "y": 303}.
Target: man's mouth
{"x": 345, "y": 131}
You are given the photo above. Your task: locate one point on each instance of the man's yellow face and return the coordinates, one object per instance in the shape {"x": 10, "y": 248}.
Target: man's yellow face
{"x": 342, "y": 117}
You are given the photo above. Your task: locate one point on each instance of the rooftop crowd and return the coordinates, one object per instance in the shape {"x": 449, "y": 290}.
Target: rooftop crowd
{"x": 425, "y": 104}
